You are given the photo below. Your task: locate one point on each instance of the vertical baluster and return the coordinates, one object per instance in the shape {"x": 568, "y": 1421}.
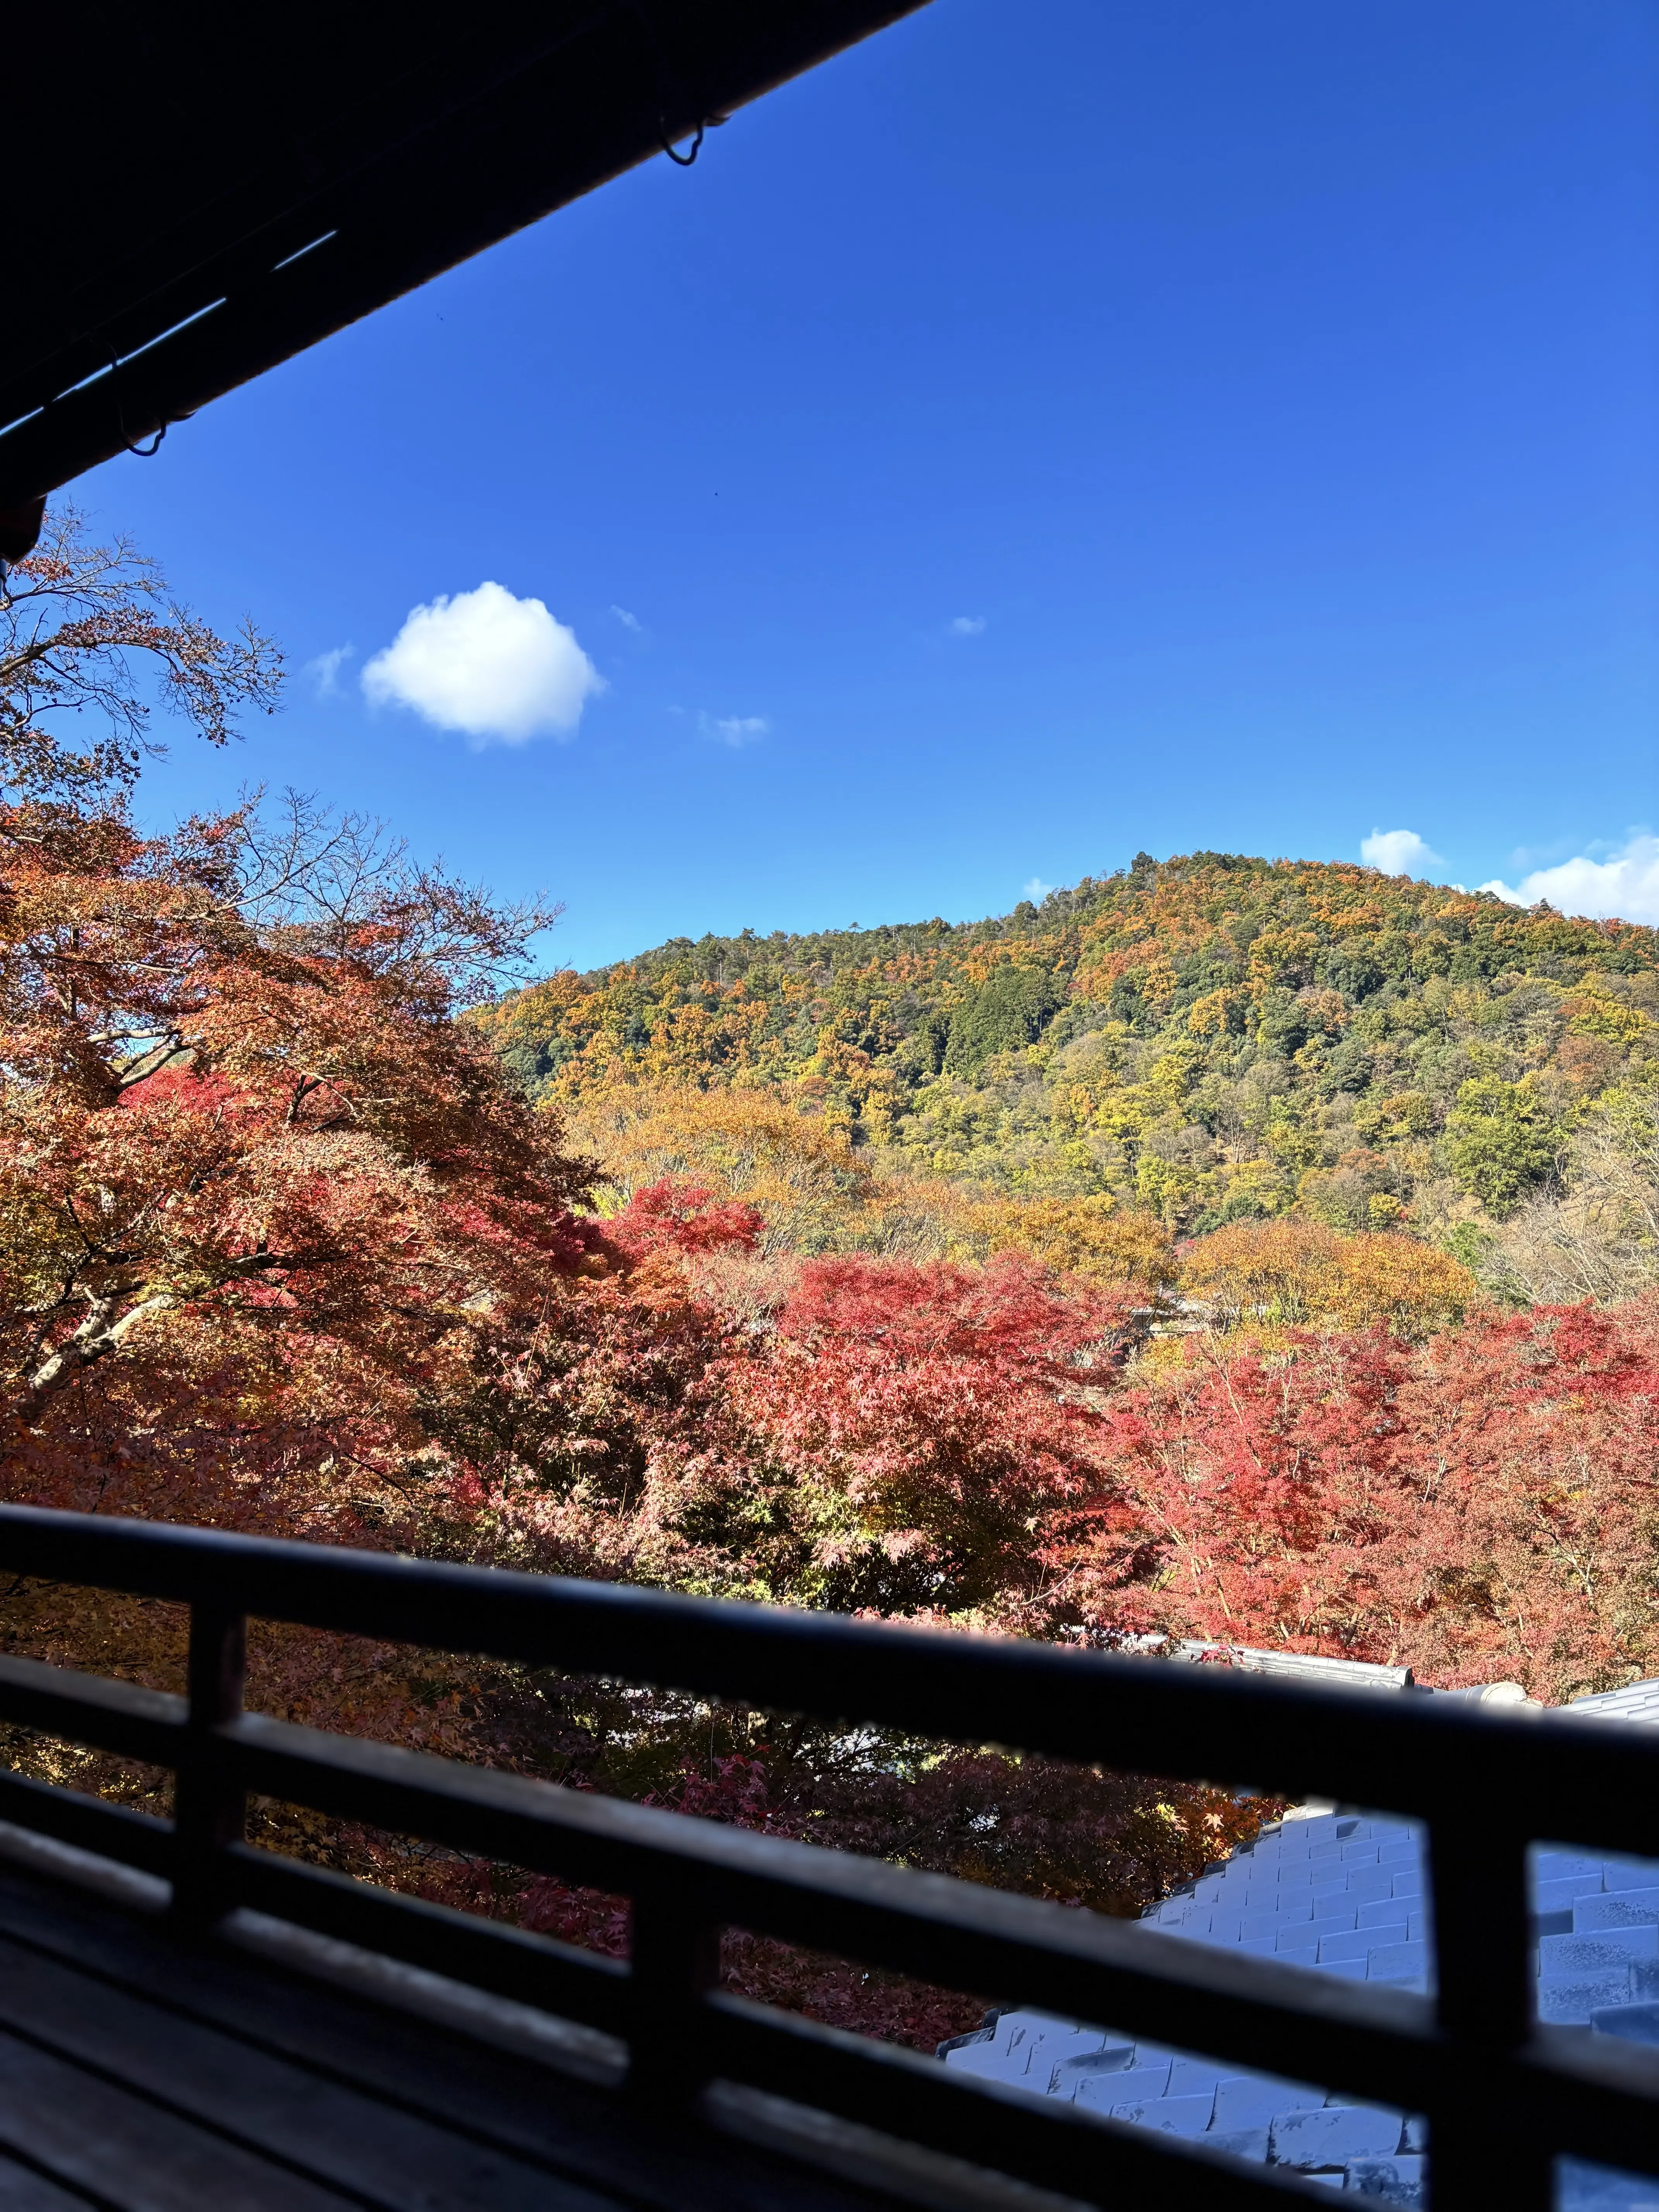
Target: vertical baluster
{"x": 1482, "y": 2156}
{"x": 675, "y": 1955}
{"x": 209, "y": 1805}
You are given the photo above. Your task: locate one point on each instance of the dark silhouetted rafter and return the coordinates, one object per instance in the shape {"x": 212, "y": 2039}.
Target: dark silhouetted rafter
{"x": 210, "y": 190}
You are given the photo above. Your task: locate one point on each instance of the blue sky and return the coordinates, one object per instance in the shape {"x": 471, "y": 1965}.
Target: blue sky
{"x": 1049, "y": 431}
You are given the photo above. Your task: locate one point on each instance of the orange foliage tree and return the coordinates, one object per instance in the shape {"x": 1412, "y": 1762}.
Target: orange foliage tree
{"x": 267, "y": 1212}
{"x": 259, "y": 1195}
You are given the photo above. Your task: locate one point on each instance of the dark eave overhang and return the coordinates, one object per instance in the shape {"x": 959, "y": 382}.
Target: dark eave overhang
{"x": 210, "y": 196}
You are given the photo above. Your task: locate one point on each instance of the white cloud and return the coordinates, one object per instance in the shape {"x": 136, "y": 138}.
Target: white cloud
{"x": 1624, "y": 886}
{"x": 324, "y": 671}
{"x": 628, "y": 621}
{"x": 967, "y": 625}
{"x": 486, "y": 664}
{"x": 1397, "y": 852}
{"x": 734, "y": 730}
{"x": 1036, "y": 890}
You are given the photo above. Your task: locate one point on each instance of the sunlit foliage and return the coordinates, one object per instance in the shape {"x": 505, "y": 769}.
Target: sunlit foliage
{"x": 1160, "y": 1262}
{"x": 1207, "y": 1040}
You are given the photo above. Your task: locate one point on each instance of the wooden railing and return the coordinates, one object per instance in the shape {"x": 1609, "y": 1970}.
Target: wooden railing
{"x": 1502, "y": 2097}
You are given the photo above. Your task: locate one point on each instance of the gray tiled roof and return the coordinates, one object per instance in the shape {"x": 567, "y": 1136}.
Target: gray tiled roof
{"x": 1297, "y": 1666}
{"x": 1342, "y": 1893}
{"x": 1637, "y": 1701}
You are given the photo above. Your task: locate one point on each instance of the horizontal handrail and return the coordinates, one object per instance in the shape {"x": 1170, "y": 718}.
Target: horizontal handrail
{"x": 490, "y": 1954}
{"x": 1527, "y": 1769}
{"x": 91, "y": 1824}
{"x": 92, "y": 1710}
{"x": 931, "y": 1925}
{"x": 938, "y": 1928}
{"x": 1487, "y": 1783}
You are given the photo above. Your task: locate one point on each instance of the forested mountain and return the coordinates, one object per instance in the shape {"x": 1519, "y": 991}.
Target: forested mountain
{"x": 1212, "y": 1039}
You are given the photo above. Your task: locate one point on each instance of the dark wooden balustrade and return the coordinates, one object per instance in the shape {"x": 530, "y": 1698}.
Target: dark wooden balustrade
{"x": 1503, "y": 2098}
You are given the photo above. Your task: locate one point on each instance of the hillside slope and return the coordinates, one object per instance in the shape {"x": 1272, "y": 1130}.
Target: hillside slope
{"x": 1215, "y": 1038}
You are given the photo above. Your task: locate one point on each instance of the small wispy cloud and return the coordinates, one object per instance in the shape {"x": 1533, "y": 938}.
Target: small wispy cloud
{"x": 1626, "y": 886}
{"x": 1036, "y": 890}
{"x": 966, "y": 625}
{"x": 628, "y": 621}
{"x": 325, "y": 672}
{"x": 734, "y": 730}
{"x": 1397, "y": 852}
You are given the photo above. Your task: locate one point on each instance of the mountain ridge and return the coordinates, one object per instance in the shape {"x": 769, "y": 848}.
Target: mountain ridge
{"x": 1213, "y": 1036}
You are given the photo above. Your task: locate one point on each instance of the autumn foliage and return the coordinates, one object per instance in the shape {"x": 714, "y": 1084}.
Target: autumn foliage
{"x": 1484, "y": 1504}
{"x": 257, "y": 1190}
{"x": 930, "y": 1418}
{"x": 1006, "y": 1448}
{"x": 1207, "y": 1039}
{"x": 285, "y": 1246}
{"x": 1299, "y": 1270}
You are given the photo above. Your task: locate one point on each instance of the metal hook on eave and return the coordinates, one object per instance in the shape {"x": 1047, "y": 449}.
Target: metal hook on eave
{"x": 669, "y": 81}
{"x": 684, "y": 160}
{"x": 681, "y": 160}
{"x": 142, "y": 453}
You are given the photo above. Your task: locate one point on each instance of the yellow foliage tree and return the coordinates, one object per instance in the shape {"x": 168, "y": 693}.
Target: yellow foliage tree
{"x": 1095, "y": 1236}
{"x": 817, "y": 1193}
{"x": 798, "y": 1170}
{"x": 1295, "y": 1272}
